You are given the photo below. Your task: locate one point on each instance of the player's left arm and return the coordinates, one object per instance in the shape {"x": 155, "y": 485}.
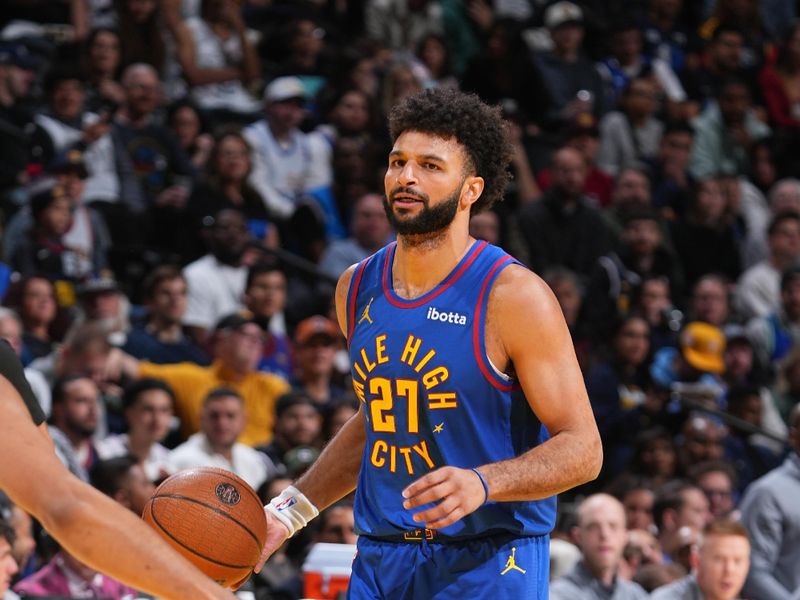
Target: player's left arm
{"x": 524, "y": 324}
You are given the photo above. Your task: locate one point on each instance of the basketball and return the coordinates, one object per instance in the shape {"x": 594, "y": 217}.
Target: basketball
{"x": 213, "y": 518}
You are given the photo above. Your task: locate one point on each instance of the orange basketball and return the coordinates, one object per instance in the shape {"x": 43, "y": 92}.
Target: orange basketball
{"x": 214, "y": 519}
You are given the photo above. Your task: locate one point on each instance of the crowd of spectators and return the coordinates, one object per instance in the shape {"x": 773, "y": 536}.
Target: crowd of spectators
{"x": 182, "y": 181}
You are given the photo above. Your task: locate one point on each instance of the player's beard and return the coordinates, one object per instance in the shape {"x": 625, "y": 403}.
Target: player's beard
{"x": 430, "y": 222}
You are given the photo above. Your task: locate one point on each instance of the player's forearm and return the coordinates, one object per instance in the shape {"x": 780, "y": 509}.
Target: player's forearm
{"x": 114, "y": 541}
{"x": 564, "y": 461}
{"x": 335, "y": 472}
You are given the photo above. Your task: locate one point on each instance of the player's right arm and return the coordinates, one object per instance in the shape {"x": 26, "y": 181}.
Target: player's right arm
{"x": 90, "y": 525}
{"x": 335, "y": 473}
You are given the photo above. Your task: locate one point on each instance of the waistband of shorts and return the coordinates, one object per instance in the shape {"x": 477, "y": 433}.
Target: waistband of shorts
{"x": 432, "y": 536}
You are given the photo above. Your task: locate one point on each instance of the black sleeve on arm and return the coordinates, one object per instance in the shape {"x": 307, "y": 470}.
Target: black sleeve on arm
{"x": 11, "y": 369}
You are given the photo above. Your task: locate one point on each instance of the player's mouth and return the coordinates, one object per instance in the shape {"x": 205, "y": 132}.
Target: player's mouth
{"x": 405, "y": 200}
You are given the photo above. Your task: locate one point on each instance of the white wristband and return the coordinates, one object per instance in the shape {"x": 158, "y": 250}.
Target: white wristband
{"x": 293, "y": 509}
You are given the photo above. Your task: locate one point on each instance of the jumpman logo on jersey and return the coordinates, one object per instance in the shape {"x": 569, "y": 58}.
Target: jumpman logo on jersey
{"x": 438, "y": 428}
{"x": 365, "y": 314}
{"x": 511, "y": 563}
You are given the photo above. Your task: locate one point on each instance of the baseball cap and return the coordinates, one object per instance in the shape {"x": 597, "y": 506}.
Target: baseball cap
{"x": 562, "y": 13}
{"x": 237, "y": 320}
{"x": 313, "y": 327}
{"x": 97, "y": 285}
{"x": 298, "y": 459}
{"x": 17, "y": 54}
{"x": 284, "y": 88}
{"x": 702, "y": 345}
{"x": 69, "y": 161}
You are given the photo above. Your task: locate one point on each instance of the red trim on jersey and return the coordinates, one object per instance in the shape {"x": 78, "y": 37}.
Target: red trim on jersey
{"x": 480, "y": 352}
{"x": 351, "y": 309}
{"x": 448, "y": 281}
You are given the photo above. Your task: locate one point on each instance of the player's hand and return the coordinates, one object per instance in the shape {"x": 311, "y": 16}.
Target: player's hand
{"x": 456, "y": 493}
{"x": 277, "y": 533}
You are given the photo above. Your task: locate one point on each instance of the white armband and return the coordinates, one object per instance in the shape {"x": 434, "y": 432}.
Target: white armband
{"x": 293, "y": 509}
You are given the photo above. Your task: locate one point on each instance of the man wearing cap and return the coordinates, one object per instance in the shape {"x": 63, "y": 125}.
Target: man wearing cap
{"x": 316, "y": 341}
{"x": 285, "y": 166}
{"x": 236, "y": 349}
{"x": 571, "y": 80}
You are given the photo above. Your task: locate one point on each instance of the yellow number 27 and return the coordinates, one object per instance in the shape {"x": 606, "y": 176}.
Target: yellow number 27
{"x": 381, "y": 406}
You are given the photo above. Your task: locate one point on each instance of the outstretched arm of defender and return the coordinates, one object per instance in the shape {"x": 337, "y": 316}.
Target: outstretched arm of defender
{"x": 525, "y": 325}
{"x": 335, "y": 472}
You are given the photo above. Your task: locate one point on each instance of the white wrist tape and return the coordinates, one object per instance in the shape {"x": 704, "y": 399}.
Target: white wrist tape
{"x": 293, "y": 509}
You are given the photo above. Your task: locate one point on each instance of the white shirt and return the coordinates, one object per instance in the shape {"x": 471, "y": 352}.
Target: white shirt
{"x": 249, "y": 464}
{"x": 758, "y": 292}
{"x": 215, "y": 291}
{"x": 155, "y": 466}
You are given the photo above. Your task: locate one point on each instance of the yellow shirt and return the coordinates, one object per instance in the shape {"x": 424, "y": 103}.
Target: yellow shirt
{"x": 191, "y": 383}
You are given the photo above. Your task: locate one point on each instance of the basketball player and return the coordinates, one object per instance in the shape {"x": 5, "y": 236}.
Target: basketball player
{"x": 456, "y": 474}
{"x": 94, "y": 528}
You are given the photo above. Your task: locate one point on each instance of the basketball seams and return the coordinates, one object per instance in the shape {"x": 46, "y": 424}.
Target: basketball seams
{"x": 189, "y": 548}
{"x": 213, "y": 508}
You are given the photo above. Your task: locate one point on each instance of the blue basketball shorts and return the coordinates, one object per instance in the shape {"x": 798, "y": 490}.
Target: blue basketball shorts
{"x": 490, "y": 567}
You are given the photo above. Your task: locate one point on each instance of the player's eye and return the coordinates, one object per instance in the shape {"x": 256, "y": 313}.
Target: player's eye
{"x": 397, "y": 163}
{"x": 431, "y": 166}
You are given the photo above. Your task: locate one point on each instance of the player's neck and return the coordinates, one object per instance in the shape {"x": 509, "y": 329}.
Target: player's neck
{"x": 420, "y": 267}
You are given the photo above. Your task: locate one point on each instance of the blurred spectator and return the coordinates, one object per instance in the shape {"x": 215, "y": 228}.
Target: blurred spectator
{"x": 654, "y": 456}
{"x": 17, "y": 73}
{"x": 743, "y": 449}
{"x": 725, "y": 132}
{"x": 75, "y": 413}
{"x": 784, "y": 196}
{"x": 654, "y": 576}
{"x": 400, "y": 81}
{"x": 772, "y": 517}
{"x": 217, "y": 280}
{"x": 601, "y": 535}
{"x": 701, "y": 440}
{"x": 721, "y": 61}
{"x": 583, "y": 135}
{"x": 485, "y": 226}
{"x": 631, "y": 194}
{"x": 265, "y": 297}
{"x": 315, "y": 341}
{"x": 568, "y": 291}
{"x": 218, "y": 59}
{"x": 8, "y": 566}
{"x": 680, "y": 512}
{"x": 237, "y": 345}
{"x": 336, "y": 525}
{"x": 101, "y": 68}
{"x": 616, "y": 390}
{"x": 401, "y": 24}
{"x": 571, "y": 81}
{"x": 750, "y": 215}
{"x": 336, "y": 414}
{"x": 710, "y": 302}
{"x": 745, "y": 16}
{"x": 774, "y": 335}
{"x": 723, "y": 559}
{"x": 665, "y": 34}
{"x": 758, "y": 288}
{"x": 433, "y": 53}
{"x": 671, "y": 181}
{"x": 641, "y": 550}
{"x": 284, "y": 166}
{"x": 616, "y": 279}
{"x": 654, "y": 302}
{"x": 222, "y": 421}
{"x": 123, "y": 479}
{"x": 786, "y": 390}
{"x": 160, "y": 337}
{"x": 47, "y": 247}
{"x": 226, "y": 186}
{"x": 704, "y": 239}
{"x": 564, "y": 229}
{"x": 717, "y": 479}
{"x": 66, "y": 577}
{"x": 148, "y": 406}
{"x": 101, "y": 301}
{"x": 188, "y": 127}
{"x": 86, "y": 232}
{"x": 303, "y": 53}
{"x": 637, "y": 496}
{"x": 297, "y": 423}
{"x": 630, "y": 136}
{"x": 370, "y": 231}
{"x": 141, "y": 33}
{"x": 779, "y": 83}
{"x": 37, "y": 310}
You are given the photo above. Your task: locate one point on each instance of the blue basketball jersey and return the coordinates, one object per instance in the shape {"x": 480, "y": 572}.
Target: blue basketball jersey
{"x": 431, "y": 397}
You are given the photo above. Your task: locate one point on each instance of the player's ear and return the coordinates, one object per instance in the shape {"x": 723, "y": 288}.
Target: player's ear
{"x": 473, "y": 188}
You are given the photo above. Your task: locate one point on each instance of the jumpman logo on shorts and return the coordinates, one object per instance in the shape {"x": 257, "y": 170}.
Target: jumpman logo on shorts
{"x": 365, "y": 314}
{"x": 511, "y": 563}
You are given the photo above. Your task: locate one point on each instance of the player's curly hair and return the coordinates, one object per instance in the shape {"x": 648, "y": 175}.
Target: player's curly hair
{"x": 478, "y": 127}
